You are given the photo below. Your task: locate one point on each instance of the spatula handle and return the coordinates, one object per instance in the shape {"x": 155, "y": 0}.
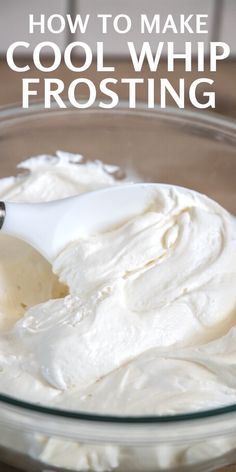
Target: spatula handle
{"x": 2, "y": 213}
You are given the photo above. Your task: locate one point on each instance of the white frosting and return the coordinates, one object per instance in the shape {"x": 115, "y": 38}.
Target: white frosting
{"x": 154, "y": 298}
{"x": 146, "y": 310}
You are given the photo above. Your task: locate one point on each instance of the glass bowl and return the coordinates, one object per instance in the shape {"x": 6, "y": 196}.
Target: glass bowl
{"x": 195, "y": 150}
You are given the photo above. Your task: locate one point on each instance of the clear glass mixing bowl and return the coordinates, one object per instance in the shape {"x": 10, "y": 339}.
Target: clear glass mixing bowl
{"x": 178, "y": 147}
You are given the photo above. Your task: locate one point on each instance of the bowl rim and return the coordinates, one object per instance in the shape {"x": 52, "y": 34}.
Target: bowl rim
{"x": 206, "y": 118}
{"x": 199, "y": 116}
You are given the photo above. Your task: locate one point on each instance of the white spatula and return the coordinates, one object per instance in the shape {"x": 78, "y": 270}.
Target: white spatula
{"x": 49, "y": 227}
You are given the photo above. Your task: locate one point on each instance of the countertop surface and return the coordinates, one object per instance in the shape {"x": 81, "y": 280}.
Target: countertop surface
{"x": 6, "y": 468}
{"x": 225, "y": 79}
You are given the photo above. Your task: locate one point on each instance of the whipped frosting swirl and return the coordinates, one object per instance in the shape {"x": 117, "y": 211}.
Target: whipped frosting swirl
{"x": 151, "y": 299}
